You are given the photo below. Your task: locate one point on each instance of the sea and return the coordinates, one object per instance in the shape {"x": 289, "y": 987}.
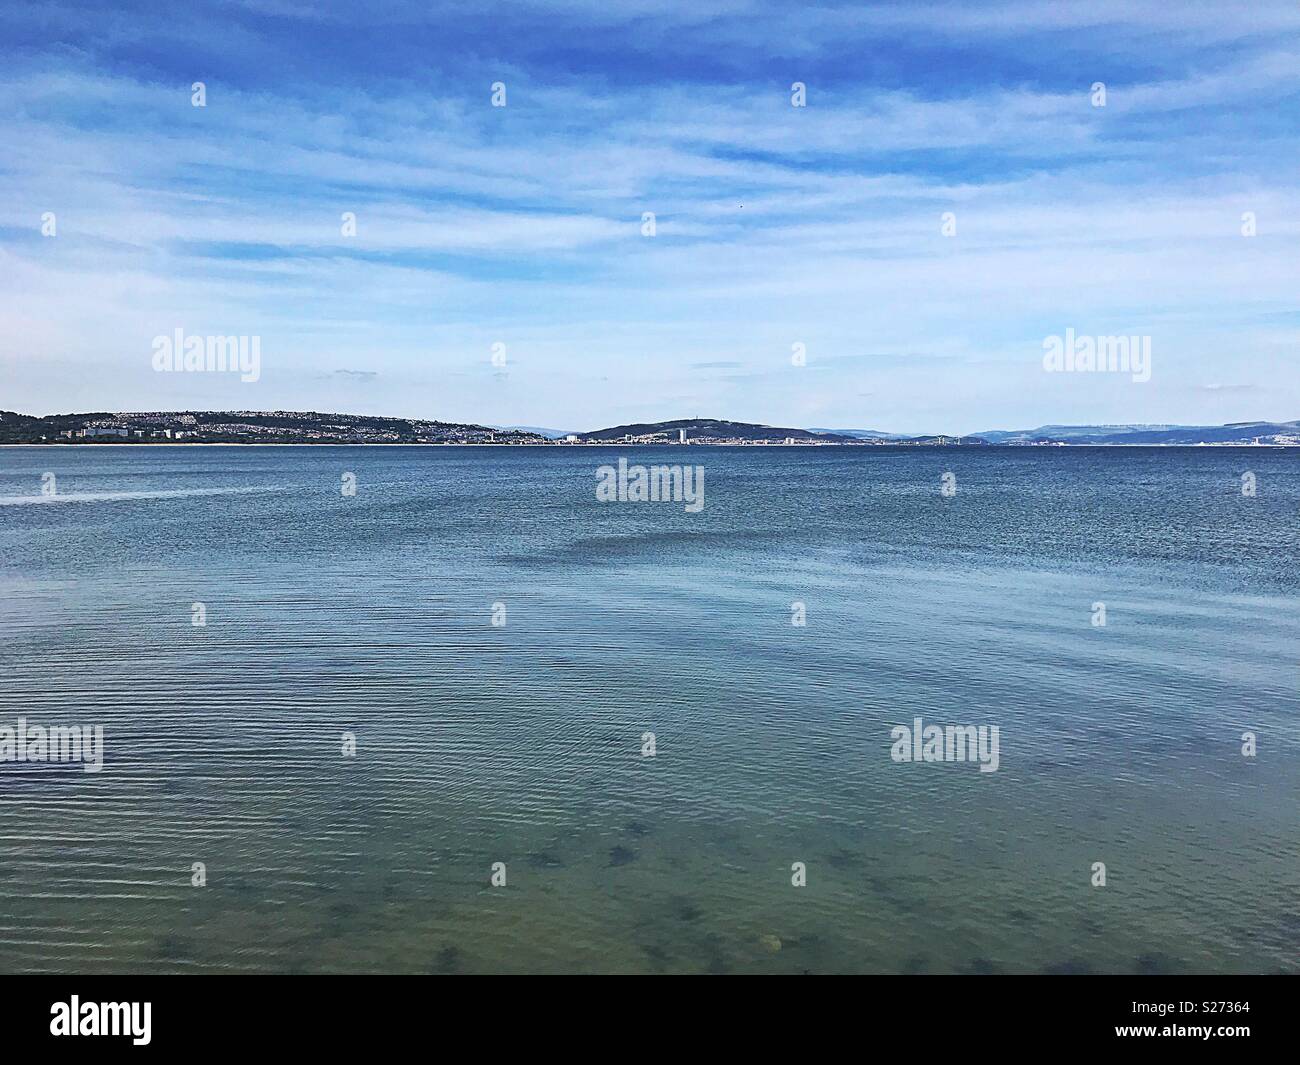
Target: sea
{"x": 445, "y": 710}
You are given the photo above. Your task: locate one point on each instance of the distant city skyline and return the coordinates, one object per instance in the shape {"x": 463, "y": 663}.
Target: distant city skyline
{"x": 897, "y": 253}
{"x": 281, "y": 427}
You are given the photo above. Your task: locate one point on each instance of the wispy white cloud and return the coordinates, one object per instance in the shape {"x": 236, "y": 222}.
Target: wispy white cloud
{"x": 774, "y": 224}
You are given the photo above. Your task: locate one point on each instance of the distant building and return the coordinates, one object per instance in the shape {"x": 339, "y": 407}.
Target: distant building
{"x": 572, "y": 438}
{"x": 681, "y": 436}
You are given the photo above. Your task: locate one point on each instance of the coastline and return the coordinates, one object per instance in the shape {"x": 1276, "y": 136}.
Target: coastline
{"x": 665, "y": 444}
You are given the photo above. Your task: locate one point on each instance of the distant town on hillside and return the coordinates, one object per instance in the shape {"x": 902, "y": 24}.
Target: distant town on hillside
{"x": 294, "y": 427}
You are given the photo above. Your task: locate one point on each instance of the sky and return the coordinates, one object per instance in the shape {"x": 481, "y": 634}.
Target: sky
{"x": 949, "y": 196}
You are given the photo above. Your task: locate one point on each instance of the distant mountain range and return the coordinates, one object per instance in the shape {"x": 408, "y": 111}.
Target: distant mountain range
{"x": 296, "y": 427}
{"x": 862, "y": 434}
{"x": 1232, "y": 433}
{"x": 550, "y": 434}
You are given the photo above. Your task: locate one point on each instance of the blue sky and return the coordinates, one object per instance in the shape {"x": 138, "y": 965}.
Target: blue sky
{"x": 775, "y": 225}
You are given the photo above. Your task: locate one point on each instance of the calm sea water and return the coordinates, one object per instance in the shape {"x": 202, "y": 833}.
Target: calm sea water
{"x": 522, "y": 743}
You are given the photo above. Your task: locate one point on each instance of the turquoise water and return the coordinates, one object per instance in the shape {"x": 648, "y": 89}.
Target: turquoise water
{"x": 522, "y": 743}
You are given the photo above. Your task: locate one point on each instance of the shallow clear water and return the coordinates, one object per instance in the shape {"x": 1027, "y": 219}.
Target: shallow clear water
{"x": 522, "y": 743}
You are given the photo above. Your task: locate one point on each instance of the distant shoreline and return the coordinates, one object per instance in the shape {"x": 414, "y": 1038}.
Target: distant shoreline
{"x": 557, "y": 445}
{"x": 314, "y": 428}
